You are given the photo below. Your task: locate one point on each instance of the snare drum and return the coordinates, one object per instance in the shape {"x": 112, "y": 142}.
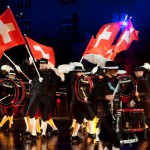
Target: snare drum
{"x": 130, "y": 120}
{"x": 12, "y": 92}
{"x": 22, "y": 91}
{"x": 9, "y": 92}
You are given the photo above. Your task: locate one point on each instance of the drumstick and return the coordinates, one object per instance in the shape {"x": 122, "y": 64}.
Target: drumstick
{"x": 116, "y": 89}
{"x": 137, "y": 97}
{"x": 114, "y": 93}
{"x": 4, "y": 97}
{"x": 83, "y": 92}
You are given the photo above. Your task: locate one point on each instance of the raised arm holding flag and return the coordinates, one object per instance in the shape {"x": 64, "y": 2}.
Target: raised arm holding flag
{"x": 39, "y": 51}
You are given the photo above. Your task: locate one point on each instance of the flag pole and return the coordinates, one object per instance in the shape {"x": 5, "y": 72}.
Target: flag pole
{"x": 81, "y": 59}
{"x": 27, "y": 47}
{"x": 33, "y": 60}
{"x": 15, "y": 65}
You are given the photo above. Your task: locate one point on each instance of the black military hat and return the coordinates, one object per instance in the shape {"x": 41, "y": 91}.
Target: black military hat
{"x": 43, "y": 61}
{"x": 78, "y": 69}
{"x": 139, "y": 68}
{"x": 100, "y": 72}
{"x": 111, "y": 65}
{"x": 87, "y": 71}
{"x": 12, "y": 72}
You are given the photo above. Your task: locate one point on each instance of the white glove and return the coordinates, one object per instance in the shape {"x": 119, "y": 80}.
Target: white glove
{"x": 30, "y": 60}
{"x": 40, "y": 79}
{"x": 94, "y": 69}
{"x": 30, "y": 81}
{"x": 60, "y": 74}
{"x": 132, "y": 103}
{"x": 18, "y": 68}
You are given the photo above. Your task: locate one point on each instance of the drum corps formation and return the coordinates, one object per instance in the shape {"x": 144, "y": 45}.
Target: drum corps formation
{"x": 107, "y": 104}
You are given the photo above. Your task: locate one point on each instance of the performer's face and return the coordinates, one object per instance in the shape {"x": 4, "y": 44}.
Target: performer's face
{"x": 79, "y": 73}
{"x": 43, "y": 66}
{"x": 112, "y": 72}
{"x": 139, "y": 73}
{"x": 12, "y": 77}
{"x": 101, "y": 77}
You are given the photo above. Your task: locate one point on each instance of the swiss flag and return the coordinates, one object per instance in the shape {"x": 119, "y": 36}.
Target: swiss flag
{"x": 106, "y": 36}
{"x": 10, "y": 35}
{"x": 100, "y": 48}
{"x": 110, "y": 54}
{"x": 41, "y": 51}
{"x": 89, "y": 46}
{"x": 128, "y": 35}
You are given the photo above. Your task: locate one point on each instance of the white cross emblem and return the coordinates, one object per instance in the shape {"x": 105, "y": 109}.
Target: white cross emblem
{"x": 104, "y": 35}
{"x": 109, "y": 51}
{"x": 126, "y": 36}
{"x": 4, "y": 31}
{"x": 38, "y": 48}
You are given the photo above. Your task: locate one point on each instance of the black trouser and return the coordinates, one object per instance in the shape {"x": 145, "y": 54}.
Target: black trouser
{"x": 107, "y": 133}
{"x": 82, "y": 110}
{"x": 146, "y": 107}
{"x": 24, "y": 108}
{"x": 9, "y": 111}
{"x": 41, "y": 103}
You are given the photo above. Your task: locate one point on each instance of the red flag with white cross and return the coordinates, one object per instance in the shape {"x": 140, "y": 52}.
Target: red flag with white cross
{"x": 106, "y": 36}
{"x": 90, "y": 45}
{"x": 97, "y": 54}
{"x": 41, "y": 51}
{"x": 10, "y": 35}
{"x": 128, "y": 35}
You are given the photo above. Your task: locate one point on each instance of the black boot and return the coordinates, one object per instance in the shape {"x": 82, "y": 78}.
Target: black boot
{"x": 75, "y": 139}
{"x": 31, "y": 137}
{"x": 24, "y": 134}
{"x": 53, "y": 133}
{"x": 92, "y": 136}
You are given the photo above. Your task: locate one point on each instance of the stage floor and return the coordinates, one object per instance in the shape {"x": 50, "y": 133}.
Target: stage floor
{"x": 11, "y": 140}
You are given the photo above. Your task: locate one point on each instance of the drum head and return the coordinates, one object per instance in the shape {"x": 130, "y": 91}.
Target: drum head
{"x": 83, "y": 86}
{"x": 9, "y": 92}
{"x": 127, "y": 86}
{"x": 22, "y": 91}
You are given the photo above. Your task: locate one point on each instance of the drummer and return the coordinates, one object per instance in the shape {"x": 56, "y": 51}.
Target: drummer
{"x": 108, "y": 133}
{"x": 9, "y": 112}
{"x": 143, "y": 93}
{"x": 81, "y": 110}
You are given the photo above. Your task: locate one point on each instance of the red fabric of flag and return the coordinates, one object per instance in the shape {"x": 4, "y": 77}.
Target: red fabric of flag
{"x": 10, "y": 35}
{"x": 128, "y": 35}
{"x": 41, "y": 51}
{"x": 105, "y": 37}
{"x": 1, "y": 53}
{"x": 98, "y": 51}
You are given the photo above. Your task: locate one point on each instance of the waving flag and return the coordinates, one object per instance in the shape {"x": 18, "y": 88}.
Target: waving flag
{"x": 89, "y": 46}
{"x": 110, "y": 54}
{"x": 106, "y": 36}
{"x": 10, "y": 35}
{"x": 128, "y": 35}
{"x": 102, "y": 43}
{"x": 41, "y": 51}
